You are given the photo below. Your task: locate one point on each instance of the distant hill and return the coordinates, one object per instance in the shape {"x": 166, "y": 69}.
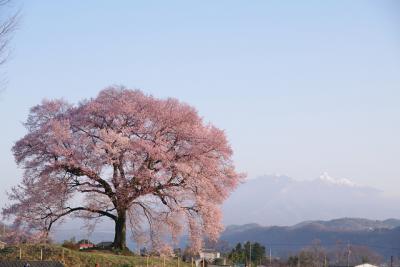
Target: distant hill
{"x": 351, "y": 224}
{"x": 381, "y": 236}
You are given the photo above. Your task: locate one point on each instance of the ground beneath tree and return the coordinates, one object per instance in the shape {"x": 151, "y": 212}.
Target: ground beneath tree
{"x": 73, "y": 258}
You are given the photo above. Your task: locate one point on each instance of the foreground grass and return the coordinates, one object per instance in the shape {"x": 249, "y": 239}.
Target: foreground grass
{"x": 73, "y": 258}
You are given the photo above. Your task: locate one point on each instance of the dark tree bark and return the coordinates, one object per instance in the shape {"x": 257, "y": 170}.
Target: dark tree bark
{"x": 120, "y": 231}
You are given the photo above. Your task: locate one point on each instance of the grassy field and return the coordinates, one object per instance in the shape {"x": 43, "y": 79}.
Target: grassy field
{"x": 73, "y": 258}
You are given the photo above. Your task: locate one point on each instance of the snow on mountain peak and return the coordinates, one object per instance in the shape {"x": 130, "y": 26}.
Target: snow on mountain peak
{"x": 331, "y": 180}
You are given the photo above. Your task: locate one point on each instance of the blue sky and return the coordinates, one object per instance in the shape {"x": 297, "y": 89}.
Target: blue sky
{"x": 301, "y": 87}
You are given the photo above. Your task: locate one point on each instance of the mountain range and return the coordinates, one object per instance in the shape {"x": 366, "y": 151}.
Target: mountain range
{"x": 281, "y": 200}
{"x": 380, "y": 236}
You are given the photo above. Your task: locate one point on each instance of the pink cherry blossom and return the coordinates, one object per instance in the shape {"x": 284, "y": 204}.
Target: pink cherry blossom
{"x": 148, "y": 163}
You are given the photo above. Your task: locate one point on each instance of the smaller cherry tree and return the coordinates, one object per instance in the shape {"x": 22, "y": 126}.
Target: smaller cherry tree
{"x": 148, "y": 163}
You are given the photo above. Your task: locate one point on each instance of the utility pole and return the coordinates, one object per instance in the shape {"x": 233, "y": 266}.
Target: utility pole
{"x": 250, "y": 255}
{"x": 270, "y": 256}
{"x": 391, "y": 261}
{"x": 348, "y": 254}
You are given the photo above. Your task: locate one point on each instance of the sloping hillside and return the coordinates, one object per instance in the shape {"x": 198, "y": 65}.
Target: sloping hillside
{"x": 73, "y": 258}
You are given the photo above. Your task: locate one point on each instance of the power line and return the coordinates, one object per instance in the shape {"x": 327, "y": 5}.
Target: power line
{"x": 334, "y": 244}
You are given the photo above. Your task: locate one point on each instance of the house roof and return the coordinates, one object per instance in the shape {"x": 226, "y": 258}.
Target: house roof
{"x": 32, "y": 263}
{"x": 84, "y": 241}
{"x": 105, "y": 244}
{"x": 209, "y": 250}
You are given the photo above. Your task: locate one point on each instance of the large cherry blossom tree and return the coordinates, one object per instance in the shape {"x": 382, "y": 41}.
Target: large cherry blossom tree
{"x": 150, "y": 165}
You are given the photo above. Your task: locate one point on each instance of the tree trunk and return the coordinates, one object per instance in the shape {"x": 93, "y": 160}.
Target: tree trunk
{"x": 120, "y": 231}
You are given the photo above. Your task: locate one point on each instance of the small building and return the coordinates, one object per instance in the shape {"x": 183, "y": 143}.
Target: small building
{"x": 85, "y": 244}
{"x": 105, "y": 244}
{"x": 2, "y": 244}
{"x": 177, "y": 252}
{"x": 209, "y": 255}
{"x": 144, "y": 252}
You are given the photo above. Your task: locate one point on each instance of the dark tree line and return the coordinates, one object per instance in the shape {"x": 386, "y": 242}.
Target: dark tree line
{"x": 248, "y": 252}
{"x": 318, "y": 256}
{"x": 314, "y": 255}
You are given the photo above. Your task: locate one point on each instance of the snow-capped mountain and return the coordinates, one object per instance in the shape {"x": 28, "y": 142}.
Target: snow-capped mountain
{"x": 281, "y": 200}
{"x": 341, "y": 181}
